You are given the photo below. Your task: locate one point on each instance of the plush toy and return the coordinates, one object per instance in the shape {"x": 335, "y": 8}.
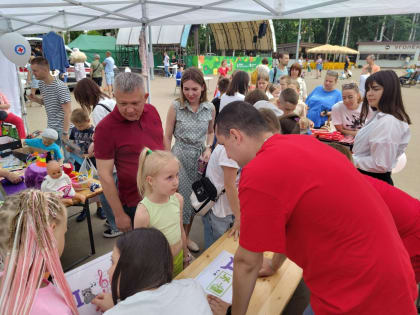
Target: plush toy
{"x": 94, "y": 186}
{"x": 36, "y": 170}
{"x": 77, "y": 56}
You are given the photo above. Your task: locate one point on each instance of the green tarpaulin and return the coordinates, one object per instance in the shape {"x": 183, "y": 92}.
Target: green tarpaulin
{"x": 94, "y": 44}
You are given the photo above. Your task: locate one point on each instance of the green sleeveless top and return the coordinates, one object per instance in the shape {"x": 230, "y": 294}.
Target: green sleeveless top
{"x": 165, "y": 217}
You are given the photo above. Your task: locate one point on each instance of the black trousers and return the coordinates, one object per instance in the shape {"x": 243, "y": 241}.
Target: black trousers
{"x": 98, "y": 81}
{"x": 386, "y": 177}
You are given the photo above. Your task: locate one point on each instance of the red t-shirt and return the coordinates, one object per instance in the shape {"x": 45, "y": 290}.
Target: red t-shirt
{"x": 302, "y": 198}
{"x": 406, "y": 213}
{"x": 223, "y": 71}
{"x": 122, "y": 140}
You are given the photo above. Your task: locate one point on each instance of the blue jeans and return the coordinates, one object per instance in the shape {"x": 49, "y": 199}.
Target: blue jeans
{"x": 167, "y": 73}
{"x": 308, "y": 310}
{"x": 108, "y": 210}
{"x": 215, "y": 227}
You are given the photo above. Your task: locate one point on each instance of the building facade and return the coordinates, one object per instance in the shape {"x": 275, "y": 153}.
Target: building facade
{"x": 389, "y": 54}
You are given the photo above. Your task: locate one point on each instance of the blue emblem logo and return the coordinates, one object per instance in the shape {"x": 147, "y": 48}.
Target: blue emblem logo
{"x": 20, "y": 49}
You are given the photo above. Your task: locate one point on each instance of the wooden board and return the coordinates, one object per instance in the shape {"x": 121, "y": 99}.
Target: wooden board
{"x": 271, "y": 294}
{"x": 89, "y": 194}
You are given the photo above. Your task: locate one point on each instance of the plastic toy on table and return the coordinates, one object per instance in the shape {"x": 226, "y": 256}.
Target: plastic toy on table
{"x": 335, "y": 136}
{"x": 59, "y": 182}
{"x": 36, "y": 170}
{"x": 80, "y": 181}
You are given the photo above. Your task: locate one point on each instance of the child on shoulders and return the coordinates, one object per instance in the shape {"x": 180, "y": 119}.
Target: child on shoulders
{"x": 161, "y": 207}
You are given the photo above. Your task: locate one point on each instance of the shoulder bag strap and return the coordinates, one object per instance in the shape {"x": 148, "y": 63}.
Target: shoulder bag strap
{"x": 102, "y": 105}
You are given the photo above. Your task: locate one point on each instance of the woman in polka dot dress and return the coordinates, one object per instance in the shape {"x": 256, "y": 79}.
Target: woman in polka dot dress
{"x": 190, "y": 120}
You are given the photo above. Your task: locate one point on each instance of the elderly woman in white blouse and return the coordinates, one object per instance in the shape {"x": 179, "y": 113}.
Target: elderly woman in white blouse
{"x": 383, "y": 139}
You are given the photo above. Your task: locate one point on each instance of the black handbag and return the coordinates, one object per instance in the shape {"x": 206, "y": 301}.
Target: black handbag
{"x": 204, "y": 195}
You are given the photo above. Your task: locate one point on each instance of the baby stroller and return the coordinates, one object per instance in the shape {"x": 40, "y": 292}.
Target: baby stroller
{"x": 409, "y": 80}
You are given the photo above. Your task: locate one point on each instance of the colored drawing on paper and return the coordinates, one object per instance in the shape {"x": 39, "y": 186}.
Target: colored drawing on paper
{"x": 89, "y": 280}
{"x": 221, "y": 284}
{"x": 217, "y": 277}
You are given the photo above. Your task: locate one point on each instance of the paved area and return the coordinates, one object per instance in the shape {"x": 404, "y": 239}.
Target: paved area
{"x": 77, "y": 241}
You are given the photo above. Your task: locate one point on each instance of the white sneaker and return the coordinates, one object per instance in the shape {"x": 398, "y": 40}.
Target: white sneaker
{"x": 192, "y": 246}
{"x": 111, "y": 233}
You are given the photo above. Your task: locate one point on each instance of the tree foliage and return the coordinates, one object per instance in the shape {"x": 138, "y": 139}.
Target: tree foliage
{"x": 363, "y": 28}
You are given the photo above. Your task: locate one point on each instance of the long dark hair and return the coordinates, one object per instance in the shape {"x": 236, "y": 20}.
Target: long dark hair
{"x": 391, "y": 100}
{"x": 145, "y": 263}
{"x": 239, "y": 83}
{"x": 87, "y": 93}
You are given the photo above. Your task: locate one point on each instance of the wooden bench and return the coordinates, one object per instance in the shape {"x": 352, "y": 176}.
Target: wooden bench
{"x": 271, "y": 294}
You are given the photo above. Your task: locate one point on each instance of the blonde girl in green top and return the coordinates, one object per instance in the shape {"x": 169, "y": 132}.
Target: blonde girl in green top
{"x": 161, "y": 207}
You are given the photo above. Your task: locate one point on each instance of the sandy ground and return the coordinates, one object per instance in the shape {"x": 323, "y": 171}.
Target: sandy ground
{"x": 162, "y": 94}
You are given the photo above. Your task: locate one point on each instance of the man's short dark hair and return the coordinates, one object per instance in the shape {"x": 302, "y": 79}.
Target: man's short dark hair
{"x": 280, "y": 55}
{"x": 289, "y": 95}
{"x": 255, "y": 96}
{"x": 242, "y": 116}
{"x": 223, "y": 84}
{"x": 41, "y": 61}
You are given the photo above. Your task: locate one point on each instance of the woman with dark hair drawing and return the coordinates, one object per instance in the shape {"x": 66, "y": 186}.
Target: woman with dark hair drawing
{"x": 141, "y": 279}
{"x": 384, "y": 138}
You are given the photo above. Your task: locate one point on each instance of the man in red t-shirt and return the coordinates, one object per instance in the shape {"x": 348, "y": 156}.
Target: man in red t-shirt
{"x": 308, "y": 202}
{"x": 119, "y": 138}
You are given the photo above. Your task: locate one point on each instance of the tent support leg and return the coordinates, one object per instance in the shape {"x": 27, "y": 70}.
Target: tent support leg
{"x": 22, "y": 101}
{"x": 151, "y": 64}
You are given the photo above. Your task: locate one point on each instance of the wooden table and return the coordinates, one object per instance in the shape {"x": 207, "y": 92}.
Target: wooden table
{"x": 271, "y": 294}
{"x": 90, "y": 197}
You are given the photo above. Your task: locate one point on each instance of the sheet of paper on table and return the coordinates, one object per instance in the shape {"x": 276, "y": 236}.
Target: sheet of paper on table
{"x": 217, "y": 277}
{"x": 89, "y": 280}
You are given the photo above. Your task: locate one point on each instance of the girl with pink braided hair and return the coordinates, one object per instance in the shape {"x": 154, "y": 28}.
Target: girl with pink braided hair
{"x": 32, "y": 235}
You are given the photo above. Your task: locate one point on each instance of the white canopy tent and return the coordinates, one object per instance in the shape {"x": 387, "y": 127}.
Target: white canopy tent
{"x": 161, "y": 35}
{"x": 42, "y": 16}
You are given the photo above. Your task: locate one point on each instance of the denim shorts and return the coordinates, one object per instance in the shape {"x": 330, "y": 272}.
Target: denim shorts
{"x": 109, "y": 76}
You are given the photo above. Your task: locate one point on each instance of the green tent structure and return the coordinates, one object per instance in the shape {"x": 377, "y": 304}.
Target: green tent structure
{"x": 94, "y": 44}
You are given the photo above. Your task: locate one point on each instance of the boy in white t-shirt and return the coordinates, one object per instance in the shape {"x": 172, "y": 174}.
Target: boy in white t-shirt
{"x": 345, "y": 115}
{"x": 223, "y": 173}
{"x": 366, "y": 72}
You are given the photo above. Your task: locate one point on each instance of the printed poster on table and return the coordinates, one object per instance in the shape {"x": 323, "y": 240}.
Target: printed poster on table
{"x": 217, "y": 278}
{"x": 89, "y": 280}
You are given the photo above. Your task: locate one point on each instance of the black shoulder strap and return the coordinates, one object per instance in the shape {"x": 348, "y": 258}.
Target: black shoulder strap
{"x": 102, "y": 105}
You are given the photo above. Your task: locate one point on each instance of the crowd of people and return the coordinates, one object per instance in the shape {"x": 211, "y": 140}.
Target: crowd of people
{"x": 278, "y": 189}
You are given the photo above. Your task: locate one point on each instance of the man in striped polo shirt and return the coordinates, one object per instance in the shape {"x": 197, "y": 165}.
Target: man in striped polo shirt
{"x": 55, "y": 97}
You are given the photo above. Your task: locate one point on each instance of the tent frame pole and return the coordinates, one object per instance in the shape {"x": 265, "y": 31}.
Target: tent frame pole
{"x": 298, "y": 41}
